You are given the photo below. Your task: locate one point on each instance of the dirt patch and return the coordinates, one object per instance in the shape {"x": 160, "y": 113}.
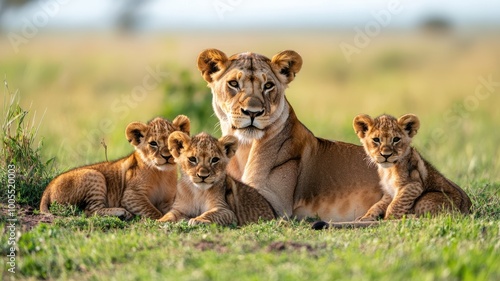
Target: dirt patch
{"x": 25, "y": 216}
{"x": 205, "y": 245}
{"x": 290, "y": 246}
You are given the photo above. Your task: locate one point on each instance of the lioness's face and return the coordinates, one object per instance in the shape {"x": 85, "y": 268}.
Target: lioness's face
{"x": 386, "y": 139}
{"x": 248, "y": 89}
{"x": 151, "y": 140}
{"x": 203, "y": 158}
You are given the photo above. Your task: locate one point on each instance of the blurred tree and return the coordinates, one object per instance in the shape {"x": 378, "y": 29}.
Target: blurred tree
{"x": 127, "y": 13}
{"x": 6, "y": 5}
{"x": 128, "y": 18}
{"x": 436, "y": 25}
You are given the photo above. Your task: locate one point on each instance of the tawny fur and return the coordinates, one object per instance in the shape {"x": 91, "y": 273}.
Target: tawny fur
{"x": 206, "y": 194}
{"x": 410, "y": 184}
{"x": 299, "y": 174}
{"x": 143, "y": 183}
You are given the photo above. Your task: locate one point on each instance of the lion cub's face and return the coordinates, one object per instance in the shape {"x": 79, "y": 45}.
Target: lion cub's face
{"x": 386, "y": 139}
{"x": 151, "y": 140}
{"x": 203, "y": 158}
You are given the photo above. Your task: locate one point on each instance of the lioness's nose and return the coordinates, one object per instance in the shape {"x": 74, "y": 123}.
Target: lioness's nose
{"x": 251, "y": 113}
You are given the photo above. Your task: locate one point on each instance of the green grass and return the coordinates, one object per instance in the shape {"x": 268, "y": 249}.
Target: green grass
{"x": 394, "y": 75}
{"x": 21, "y": 152}
{"x": 444, "y": 248}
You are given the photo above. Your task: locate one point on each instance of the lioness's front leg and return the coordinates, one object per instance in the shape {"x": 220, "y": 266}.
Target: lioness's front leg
{"x": 276, "y": 186}
{"x": 404, "y": 201}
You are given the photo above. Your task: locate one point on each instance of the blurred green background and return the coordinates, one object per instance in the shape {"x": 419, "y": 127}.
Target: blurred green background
{"x": 89, "y": 80}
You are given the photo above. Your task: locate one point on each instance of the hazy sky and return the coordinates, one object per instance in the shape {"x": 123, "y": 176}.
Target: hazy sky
{"x": 234, "y": 14}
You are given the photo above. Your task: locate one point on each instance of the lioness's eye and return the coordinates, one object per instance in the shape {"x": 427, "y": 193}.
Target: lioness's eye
{"x": 396, "y": 139}
{"x": 376, "y": 140}
{"x": 268, "y": 85}
{"x": 153, "y": 144}
{"x": 214, "y": 160}
{"x": 192, "y": 159}
{"x": 233, "y": 83}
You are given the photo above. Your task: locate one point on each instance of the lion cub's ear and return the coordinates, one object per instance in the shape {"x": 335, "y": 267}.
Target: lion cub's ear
{"x": 211, "y": 61}
{"x": 178, "y": 141}
{"x": 410, "y": 123}
{"x": 229, "y": 144}
{"x": 362, "y": 124}
{"x": 135, "y": 132}
{"x": 182, "y": 123}
{"x": 287, "y": 63}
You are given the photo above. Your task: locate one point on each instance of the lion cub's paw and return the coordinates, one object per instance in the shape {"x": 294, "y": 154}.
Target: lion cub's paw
{"x": 196, "y": 221}
{"x": 124, "y": 214}
{"x": 393, "y": 216}
{"x": 168, "y": 217}
{"x": 399, "y": 216}
{"x": 366, "y": 218}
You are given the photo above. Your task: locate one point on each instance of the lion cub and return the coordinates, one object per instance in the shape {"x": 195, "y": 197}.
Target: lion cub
{"x": 410, "y": 184}
{"x": 143, "y": 183}
{"x": 205, "y": 193}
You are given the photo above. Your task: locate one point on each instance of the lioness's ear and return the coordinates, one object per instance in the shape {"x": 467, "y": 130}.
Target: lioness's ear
{"x": 182, "y": 123}
{"x": 287, "y": 63}
{"x": 362, "y": 124}
{"x": 176, "y": 142}
{"x": 229, "y": 145}
{"x": 211, "y": 61}
{"x": 410, "y": 124}
{"x": 135, "y": 132}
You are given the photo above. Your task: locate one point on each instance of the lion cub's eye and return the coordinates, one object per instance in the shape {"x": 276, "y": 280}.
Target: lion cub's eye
{"x": 233, "y": 83}
{"x": 153, "y": 144}
{"x": 376, "y": 140}
{"x": 396, "y": 140}
{"x": 214, "y": 160}
{"x": 268, "y": 85}
{"x": 192, "y": 159}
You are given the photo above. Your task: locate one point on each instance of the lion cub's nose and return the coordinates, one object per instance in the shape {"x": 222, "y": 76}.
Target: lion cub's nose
{"x": 203, "y": 173}
{"x": 386, "y": 155}
{"x": 202, "y": 177}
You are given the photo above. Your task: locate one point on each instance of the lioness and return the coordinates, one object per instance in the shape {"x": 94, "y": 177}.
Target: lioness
{"x": 411, "y": 185}
{"x": 143, "y": 183}
{"x": 299, "y": 174}
{"x": 205, "y": 193}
